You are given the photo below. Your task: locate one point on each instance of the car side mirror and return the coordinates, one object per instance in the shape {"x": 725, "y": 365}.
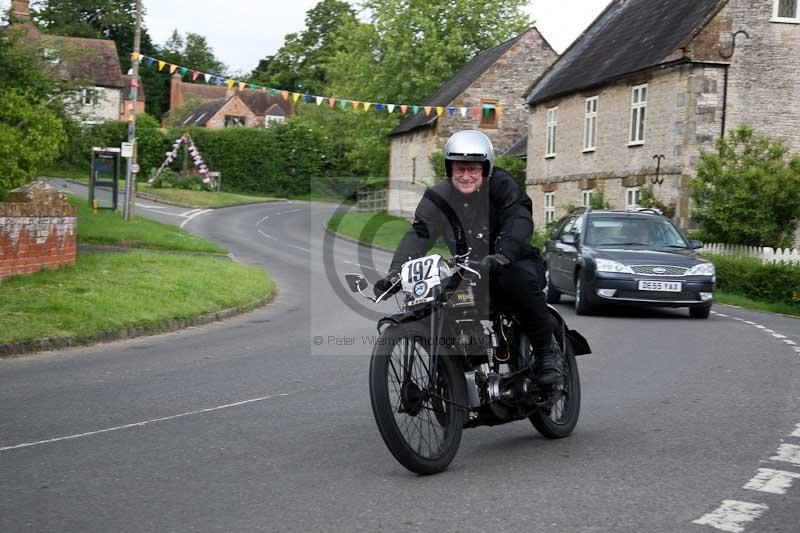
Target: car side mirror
{"x": 568, "y": 239}
{"x": 356, "y": 282}
{"x": 695, "y": 245}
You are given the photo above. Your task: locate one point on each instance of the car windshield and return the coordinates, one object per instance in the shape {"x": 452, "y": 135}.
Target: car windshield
{"x": 633, "y": 231}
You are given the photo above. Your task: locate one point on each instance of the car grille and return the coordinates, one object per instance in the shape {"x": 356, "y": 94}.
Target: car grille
{"x": 656, "y": 295}
{"x": 659, "y": 270}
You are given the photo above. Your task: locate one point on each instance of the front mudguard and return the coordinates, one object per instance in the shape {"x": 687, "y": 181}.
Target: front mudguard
{"x": 580, "y": 345}
{"x": 403, "y": 317}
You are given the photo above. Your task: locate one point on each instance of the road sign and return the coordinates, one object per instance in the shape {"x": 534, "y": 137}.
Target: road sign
{"x": 135, "y": 168}
{"x": 127, "y": 149}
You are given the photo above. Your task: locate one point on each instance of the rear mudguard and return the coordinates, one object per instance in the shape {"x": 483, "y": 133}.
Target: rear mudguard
{"x": 579, "y": 344}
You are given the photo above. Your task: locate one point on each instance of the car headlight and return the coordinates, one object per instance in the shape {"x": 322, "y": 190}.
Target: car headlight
{"x": 703, "y": 269}
{"x": 606, "y": 265}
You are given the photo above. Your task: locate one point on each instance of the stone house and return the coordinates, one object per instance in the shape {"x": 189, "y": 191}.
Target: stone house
{"x": 220, "y": 107}
{"x": 494, "y": 78}
{"x": 652, "y": 78}
{"x": 92, "y": 65}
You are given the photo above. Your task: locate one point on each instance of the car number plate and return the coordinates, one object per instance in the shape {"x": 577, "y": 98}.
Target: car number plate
{"x": 663, "y": 286}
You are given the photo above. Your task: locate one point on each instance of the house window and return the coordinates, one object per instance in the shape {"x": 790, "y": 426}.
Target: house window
{"x": 590, "y": 125}
{"x": 232, "y": 121}
{"x": 638, "y": 111}
{"x": 51, "y": 56}
{"x": 271, "y": 120}
{"x": 87, "y": 97}
{"x": 488, "y": 114}
{"x": 786, "y": 11}
{"x": 413, "y": 170}
{"x": 633, "y": 196}
{"x": 552, "y": 127}
{"x": 586, "y": 198}
{"x": 549, "y": 207}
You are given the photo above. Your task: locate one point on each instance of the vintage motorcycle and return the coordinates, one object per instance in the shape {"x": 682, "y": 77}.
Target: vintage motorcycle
{"x": 448, "y": 361}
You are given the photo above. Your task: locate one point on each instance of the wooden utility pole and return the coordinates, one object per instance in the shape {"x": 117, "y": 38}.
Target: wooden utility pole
{"x": 130, "y": 177}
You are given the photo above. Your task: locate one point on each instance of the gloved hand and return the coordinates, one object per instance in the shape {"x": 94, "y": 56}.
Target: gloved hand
{"x": 491, "y": 263}
{"x": 383, "y": 285}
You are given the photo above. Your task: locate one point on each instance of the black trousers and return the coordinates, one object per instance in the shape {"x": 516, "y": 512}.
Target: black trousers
{"x": 518, "y": 288}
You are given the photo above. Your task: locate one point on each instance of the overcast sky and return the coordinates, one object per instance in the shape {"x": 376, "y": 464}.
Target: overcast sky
{"x": 243, "y": 31}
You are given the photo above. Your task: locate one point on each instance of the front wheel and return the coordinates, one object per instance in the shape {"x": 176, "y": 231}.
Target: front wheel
{"x": 559, "y": 418}
{"x": 700, "y": 311}
{"x": 420, "y": 422}
{"x": 582, "y": 304}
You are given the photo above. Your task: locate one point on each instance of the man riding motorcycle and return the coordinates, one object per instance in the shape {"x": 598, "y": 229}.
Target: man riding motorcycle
{"x": 480, "y": 207}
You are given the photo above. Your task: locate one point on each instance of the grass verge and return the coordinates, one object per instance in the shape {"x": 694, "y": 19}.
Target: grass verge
{"x": 104, "y": 292}
{"x": 748, "y": 303}
{"x": 108, "y": 228}
{"x": 375, "y": 229}
{"x": 191, "y": 198}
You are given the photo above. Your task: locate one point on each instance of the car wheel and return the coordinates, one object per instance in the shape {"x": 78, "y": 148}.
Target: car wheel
{"x": 582, "y": 305}
{"x": 553, "y": 295}
{"x": 700, "y": 311}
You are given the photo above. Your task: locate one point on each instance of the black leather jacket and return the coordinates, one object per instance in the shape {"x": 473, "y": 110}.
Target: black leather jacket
{"x": 495, "y": 219}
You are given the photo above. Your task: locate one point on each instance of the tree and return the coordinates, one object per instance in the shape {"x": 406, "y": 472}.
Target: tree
{"x": 411, "y": 46}
{"x": 300, "y": 65}
{"x": 748, "y": 191}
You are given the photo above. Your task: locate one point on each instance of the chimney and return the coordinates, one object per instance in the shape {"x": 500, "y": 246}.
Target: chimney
{"x": 21, "y": 10}
{"x": 175, "y": 92}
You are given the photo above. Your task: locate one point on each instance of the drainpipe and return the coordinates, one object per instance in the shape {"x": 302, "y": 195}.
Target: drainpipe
{"x": 725, "y": 101}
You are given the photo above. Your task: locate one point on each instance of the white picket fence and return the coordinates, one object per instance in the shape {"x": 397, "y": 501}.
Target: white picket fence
{"x": 766, "y": 254}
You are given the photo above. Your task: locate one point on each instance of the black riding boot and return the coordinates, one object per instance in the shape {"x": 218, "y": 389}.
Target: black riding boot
{"x": 546, "y": 368}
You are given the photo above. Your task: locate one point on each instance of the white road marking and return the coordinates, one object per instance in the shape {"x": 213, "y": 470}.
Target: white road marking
{"x": 722, "y": 314}
{"x": 732, "y": 515}
{"x": 766, "y": 330}
{"x": 187, "y": 213}
{"x": 145, "y": 206}
{"x": 759, "y": 326}
{"x": 140, "y": 424}
{"x": 193, "y": 215}
{"x": 778, "y": 336}
{"x": 796, "y": 432}
{"x": 749, "y": 322}
{"x": 359, "y": 266}
{"x": 262, "y": 220}
{"x": 789, "y": 453}
{"x": 267, "y": 235}
{"x": 773, "y": 481}
{"x": 790, "y": 342}
{"x": 299, "y": 248}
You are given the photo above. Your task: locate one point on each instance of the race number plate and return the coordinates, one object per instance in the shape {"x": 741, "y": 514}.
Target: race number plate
{"x": 661, "y": 286}
{"x": 424, "y": 269}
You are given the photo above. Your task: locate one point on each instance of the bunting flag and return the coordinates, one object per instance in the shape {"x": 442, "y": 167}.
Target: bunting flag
{"x": 465, "y": 111}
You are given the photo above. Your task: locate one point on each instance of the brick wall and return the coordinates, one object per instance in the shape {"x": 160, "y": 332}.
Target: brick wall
{"x": 235, "y": 107}
{"x": 37, "y": 230}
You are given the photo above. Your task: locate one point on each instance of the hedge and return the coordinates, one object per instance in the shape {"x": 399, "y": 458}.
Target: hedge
{"x": 766, "y": 282}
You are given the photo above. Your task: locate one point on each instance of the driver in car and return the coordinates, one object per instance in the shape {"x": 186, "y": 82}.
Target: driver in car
{"x": 481, "y": 208}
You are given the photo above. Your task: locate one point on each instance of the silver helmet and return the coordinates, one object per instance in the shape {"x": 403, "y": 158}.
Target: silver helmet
{"x": 469, "y": 145}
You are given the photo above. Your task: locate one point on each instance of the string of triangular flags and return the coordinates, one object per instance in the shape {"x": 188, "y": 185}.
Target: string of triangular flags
{"x": 295, "y": 97}
{"x": 196, "y": 158}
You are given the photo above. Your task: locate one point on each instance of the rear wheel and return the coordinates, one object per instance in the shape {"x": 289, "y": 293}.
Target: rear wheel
{"x": 420, "y": 422}
{"x": 559, "y": 418}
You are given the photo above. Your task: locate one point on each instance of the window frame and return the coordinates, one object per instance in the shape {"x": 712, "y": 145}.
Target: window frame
{"x": 549, "y": 207}
{"x": 551, "y": 132}
{"x": 88, "y": 97}
{"x": 586, "y": 194}
{"x": 637, "y": 192}
{"x": 272, "y": 120}
{"x": 788, "y": 20}
{"x": 590, "y": 117}
{"x": 494, "y": 122}
{"x": 638, "y": 122}
{"x": 229, "y": 119}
